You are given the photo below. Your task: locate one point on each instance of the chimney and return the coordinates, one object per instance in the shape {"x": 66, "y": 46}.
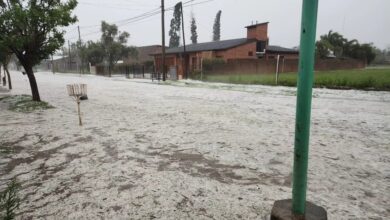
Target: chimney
{"x": 258, "y": 31}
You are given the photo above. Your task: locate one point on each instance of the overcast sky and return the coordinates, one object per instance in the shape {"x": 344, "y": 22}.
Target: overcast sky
{"x": 364, "y": 20}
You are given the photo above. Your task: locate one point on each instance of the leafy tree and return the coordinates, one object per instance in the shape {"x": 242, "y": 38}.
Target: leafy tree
{"x": 217, "y": 27}
{"x": 114, "y": 45}
{"x": 94, "y": 52}
{"x": 174, "y": 32}
{"x": 194, "y": 34}
{"x": 337, "y": 41}
{"x": 362, "y": 52}
{"x": 380, "y": 56}
{"x": 30, "y": 29}
{"x": 335, "y": 44}
{"x": 322, "y": 49}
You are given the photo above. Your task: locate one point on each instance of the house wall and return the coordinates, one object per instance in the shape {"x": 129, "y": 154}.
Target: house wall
{"x": 195, "y": 59}
{"x": 170, "y": 60}
{"x": 259, "y": 32}
{"x": 239, "y": 52}
{"x": 246, "y": 51}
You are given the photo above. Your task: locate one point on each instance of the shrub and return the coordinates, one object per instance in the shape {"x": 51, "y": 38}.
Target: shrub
{"x": 196, "y": 74}
{"x": 209, "y": 63}
{"x": 9, "y": 200}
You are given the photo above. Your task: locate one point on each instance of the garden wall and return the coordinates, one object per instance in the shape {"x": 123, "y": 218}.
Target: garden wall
{"x": 259, "y": 66}
{"x": 125, "y": 69}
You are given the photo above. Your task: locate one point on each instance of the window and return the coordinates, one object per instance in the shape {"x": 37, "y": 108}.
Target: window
{"x": 261, "y": 46}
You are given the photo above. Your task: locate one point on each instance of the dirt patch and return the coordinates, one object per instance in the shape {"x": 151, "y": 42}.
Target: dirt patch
{"x": 98, "y": 131}
{"x": 125, "y": 187}
{"x": 197, "y": 165}
{"x": 110, "y": 148}
{"x": 115, "y": 208}
{"x": 84, "y": 139}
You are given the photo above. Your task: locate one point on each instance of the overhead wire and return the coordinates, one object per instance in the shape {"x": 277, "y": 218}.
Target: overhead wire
{"x": 137, "y": 18}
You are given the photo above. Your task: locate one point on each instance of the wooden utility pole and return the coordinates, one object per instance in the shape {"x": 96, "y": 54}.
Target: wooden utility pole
{"x": 163, "y": 40}
{"x": 78, "y": 29}
{"x": 184, "y": 43}
{"x": 69, "y": 56}
{"x": 52, "y": 64}
{"x": 277, "y": 69}
{"x": 80, "y": 54}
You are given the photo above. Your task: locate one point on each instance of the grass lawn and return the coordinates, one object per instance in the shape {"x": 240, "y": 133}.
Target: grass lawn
{"x": 24, "y": 103}
{"x": 366, "y": 79}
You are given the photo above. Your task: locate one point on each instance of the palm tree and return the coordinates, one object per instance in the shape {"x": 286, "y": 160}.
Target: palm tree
{"x": 337, "y": 41}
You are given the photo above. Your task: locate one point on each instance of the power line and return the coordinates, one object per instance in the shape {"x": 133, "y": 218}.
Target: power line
{"x": 119, "y": 4}
{"x": 109, "y": 6}
{"x": 137, "y": 18}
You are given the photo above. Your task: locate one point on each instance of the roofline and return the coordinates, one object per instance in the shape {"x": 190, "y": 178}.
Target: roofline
{"x": 153, "y": 45}
{"x": 243, "y": 43}
{"x": 254, "y": 25}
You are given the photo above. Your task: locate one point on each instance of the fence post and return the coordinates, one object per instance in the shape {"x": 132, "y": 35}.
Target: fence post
{"x": 201, "y": 69}
{"x": 277, "y": 69}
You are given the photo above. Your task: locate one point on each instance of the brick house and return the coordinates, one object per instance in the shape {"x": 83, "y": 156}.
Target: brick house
{"x": 254, "y": 46}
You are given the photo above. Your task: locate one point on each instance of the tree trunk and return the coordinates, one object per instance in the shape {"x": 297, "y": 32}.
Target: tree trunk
{"x": 9, "y": 78}
{"x": 33, "y": 84}
{"x": 4, "y": 77}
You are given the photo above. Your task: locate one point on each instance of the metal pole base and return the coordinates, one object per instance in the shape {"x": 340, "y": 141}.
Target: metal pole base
{"x": 282, "y": 211}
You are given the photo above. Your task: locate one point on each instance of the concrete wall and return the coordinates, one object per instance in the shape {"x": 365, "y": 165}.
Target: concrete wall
{"x": 260, "y": 66}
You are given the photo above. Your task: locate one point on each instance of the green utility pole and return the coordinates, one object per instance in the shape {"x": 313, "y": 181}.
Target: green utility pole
{"x": 298, "y": 208}
{"x": 304, "y": 96}
{"x": 163, "y": 41}
{"x": 184, "y": 43}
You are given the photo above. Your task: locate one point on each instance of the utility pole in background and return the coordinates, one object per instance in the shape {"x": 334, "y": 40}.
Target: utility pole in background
{"x": 80, "y": 45}
{"x": 69, "y": 56}
{"x": 184, "y": 43}
{"x": 52, "y": 64}
{"x": 163, "y": 40}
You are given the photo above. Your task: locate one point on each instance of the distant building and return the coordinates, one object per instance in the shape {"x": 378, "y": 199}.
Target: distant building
{"x": 144, "y": 55}
{"x": 254, "y": 46}
{"x": 60, "y": 64}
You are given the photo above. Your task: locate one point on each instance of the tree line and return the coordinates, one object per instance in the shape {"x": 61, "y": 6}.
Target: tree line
{"x": 109, "y": 49}
{"x": 176, "y": 22}
{"x": 334, "y": 44}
